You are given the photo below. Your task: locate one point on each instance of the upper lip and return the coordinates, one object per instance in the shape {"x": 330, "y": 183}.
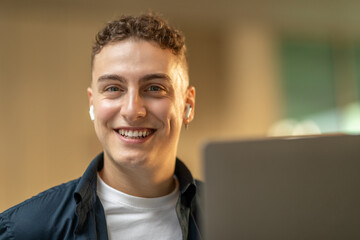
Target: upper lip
{"x": 135, "y": 132}
{"x": 134, "y": 128}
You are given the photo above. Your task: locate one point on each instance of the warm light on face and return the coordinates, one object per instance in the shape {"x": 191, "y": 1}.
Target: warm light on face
{"x": 139, "y": 95}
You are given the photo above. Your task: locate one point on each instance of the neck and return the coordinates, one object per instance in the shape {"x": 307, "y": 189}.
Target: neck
{"x": 138, "y": 181}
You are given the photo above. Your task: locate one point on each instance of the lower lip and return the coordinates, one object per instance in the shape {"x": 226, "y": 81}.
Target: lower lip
{"x": 134, "y": 140}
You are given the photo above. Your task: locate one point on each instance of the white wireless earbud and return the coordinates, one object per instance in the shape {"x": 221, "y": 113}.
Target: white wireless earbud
{"x": 188, "y": 110}
{"x": 91, "y": 112}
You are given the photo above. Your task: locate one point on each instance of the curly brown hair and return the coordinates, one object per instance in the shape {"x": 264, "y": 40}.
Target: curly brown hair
{"x": 149, "y": 27}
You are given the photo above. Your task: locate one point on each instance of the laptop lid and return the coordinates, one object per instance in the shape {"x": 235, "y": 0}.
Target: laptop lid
{"x": 298, "y": 188}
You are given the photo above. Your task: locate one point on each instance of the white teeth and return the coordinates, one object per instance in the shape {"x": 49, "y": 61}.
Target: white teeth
{"x": 134, "y": 134}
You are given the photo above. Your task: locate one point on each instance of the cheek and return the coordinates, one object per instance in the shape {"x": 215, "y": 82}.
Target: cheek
{"x": 166, "y": 111}
{"x": 105, "y": 110}
{"x": 161, "y": 109}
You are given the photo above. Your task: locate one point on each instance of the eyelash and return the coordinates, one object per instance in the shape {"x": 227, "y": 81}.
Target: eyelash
{"x": 111, "y": 89}
{"x": 154, "y": 86}
{"x": 150, "y": 89}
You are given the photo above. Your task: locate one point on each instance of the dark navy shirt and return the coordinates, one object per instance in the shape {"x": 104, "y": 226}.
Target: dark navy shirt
{"x": 74, "y": 211}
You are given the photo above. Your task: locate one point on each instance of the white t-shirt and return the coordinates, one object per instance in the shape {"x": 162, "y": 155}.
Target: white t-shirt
{"x": 132, "y": 218}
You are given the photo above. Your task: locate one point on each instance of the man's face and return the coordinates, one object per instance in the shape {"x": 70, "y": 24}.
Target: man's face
{"x": 139, "y": 94}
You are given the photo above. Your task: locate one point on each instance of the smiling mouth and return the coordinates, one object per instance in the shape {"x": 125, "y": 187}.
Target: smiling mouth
{"x": 135, "y": 134}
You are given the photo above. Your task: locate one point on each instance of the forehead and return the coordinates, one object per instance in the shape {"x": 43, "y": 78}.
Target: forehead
{"x": 132, "y": 58}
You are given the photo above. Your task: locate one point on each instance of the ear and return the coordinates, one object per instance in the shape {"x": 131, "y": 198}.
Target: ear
{"x": 90, "y": 96}
{"x": 189, "y": 99}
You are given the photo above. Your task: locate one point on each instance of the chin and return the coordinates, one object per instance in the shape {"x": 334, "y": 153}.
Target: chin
{"x": 129, "y": 160}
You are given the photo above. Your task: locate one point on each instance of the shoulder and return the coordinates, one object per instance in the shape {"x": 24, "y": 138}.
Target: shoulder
{"x": 199, "y": 190}
{"x": 199, "y": 184}
{"x": 39, "y": 214}
{"x": 44, "y": 200}
{"x": 198, "y": 197}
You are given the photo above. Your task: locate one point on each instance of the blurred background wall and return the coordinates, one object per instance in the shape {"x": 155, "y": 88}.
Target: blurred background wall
{"x": 260, "y": 68}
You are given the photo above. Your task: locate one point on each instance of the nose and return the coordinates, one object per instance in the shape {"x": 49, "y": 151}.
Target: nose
{"x": 133, "y": 107}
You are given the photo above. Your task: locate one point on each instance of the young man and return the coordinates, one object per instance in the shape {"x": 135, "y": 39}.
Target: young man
{"x": 136, "y": 189}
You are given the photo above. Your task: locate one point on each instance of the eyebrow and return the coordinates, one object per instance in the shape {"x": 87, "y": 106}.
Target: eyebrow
{"x": 151, "y": 76}
{"x": 144, "y": 78}
{"x": 111, "y": 77}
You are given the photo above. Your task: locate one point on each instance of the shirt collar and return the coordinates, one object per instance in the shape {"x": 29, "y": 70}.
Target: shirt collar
{"x": 85, "y": 192}
{"x": 186, "y": 182}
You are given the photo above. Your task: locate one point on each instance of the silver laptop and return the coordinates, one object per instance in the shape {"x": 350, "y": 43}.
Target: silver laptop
{"x": 297, "y": 188}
